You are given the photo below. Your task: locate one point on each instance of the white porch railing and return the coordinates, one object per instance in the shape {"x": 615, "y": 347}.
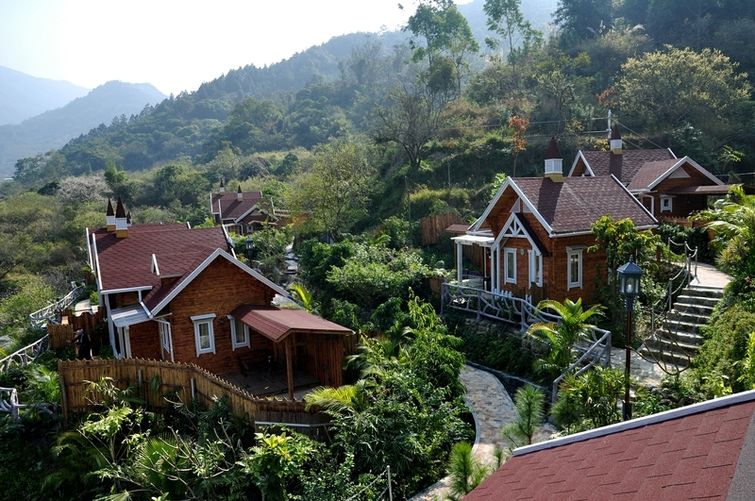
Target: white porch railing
{"x": 522, "y": 314}
{"x": 25, "y": 355}
{"x": 39, "y": 318}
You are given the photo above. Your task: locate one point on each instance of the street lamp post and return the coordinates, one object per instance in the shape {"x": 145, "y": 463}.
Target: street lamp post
{"x": 629, "y": 286}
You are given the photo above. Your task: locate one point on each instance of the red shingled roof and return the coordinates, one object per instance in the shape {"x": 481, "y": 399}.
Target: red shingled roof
{"x": 127, "y": 262}
{"x": 231, "y": 207}
{"x": 631, "y": 161}
{"x": 703, "y": 451}
{"x": 649, "y": 172}
{"x": 276, "y": 324}
{"x": 577, "y": 202}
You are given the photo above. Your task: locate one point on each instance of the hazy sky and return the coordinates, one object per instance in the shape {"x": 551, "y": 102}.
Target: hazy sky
{"x": 174, "y": 44}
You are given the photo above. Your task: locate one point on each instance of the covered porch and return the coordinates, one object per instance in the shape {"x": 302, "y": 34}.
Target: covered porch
{"x": 477, "y": 250}
{"x": 311, "y": 348}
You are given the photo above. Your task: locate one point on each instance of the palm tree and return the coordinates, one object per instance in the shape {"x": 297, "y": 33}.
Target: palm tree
{"x": 303, "y": 296}
{"x": 562, "y": 336}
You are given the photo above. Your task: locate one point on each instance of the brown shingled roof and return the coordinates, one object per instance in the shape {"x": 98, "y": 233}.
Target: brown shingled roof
{"x": 649, "y": 172}
{"x": 231, "y": 207}
{"x": 577, "y": 202}
{"x": 276, "y": 324}
{"x": 127, "y": 262}
{"x": 632, "y": 161}
{"x": 704, "y": 452}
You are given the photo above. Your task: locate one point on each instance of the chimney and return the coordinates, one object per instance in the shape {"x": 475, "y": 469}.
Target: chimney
{"x": 110, "y": 216}
{"x": 616, "y": 158}
{"x": 128, "y": 218}
{"x": 615, "y": 141}
{"x": 222, "y": 186}
{"x": 239, "y": 195}
{"x": 554, "y": 164}
{"x": 121, "y": 224}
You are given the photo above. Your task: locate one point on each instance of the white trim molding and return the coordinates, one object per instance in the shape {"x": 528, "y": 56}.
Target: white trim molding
{"x": 535, "y": 260}
{"x": 680, "y": 163}
{"x": 200, "y": 321}
{"x": 588, "y": 169}
{"x": 578, "y": 253}
{"x": 509, "y": 251}
{"x": 246, "y": 340}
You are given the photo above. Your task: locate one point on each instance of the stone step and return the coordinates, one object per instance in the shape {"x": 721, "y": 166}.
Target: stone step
{"x": 665, "y": 356}
{"x": 690, "y": 318}
{"x": 703, "y": 292}
{"x": 680, "y": 326}
{"x": 681, "y": 336}
{"x": 675, "y": 345}
{"x": 694, "y": 309}
{"x": 699, "y": 300}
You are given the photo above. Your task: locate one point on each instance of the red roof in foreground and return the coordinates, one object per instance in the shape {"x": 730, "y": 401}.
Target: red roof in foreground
{"x": 703, "y": 451}
{"x": 276, "y": 323}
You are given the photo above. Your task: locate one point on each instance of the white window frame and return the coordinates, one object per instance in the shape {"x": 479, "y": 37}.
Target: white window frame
{"x": 580, "y": 268}
{"x": 667, "y": 199}
{"x": 247, "y": 337}
{"x": 199, "y": 320}
{"x": 535, "y": 264}
{"x": 506, "y": 278}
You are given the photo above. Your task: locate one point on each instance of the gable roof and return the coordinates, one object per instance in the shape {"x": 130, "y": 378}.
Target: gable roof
{"x": 573, "y": 205}
{"x": 153, "y": 252}
{"x": 705, "y": 450}
{"x": 229, "y": 206}
{"x": 632, "y": 160}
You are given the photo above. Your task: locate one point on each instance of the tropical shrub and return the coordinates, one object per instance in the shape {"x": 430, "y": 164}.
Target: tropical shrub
{"x": 465, "y": 470}
{"x": 528, "y": 401}
{"x": 589, "y": 400}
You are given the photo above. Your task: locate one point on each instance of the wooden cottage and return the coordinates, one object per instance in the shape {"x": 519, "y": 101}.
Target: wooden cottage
{"x": 536, "y": 231}
{"x": 244, "y": 212}
{"x": 178, "y": 293}
{"x": 671, "y": 188}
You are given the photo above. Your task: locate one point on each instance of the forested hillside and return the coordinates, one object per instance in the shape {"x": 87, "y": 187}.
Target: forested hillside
{"x": 54, "y": 128}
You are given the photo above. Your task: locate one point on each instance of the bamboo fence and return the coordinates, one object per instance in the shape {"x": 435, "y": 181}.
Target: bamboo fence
{"x": 159, "y": 383}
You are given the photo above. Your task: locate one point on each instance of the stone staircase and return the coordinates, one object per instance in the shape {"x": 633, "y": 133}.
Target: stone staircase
{"x": 678, "y": 338}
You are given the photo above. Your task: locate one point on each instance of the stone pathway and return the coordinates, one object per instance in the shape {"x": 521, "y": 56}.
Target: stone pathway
{"x": 491, "y": 407}
{"x": 643, "y": 371}
{"x": 709, "y": 276}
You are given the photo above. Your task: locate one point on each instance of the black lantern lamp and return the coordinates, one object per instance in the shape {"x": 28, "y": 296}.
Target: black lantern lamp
{"x": 629, "y": 287}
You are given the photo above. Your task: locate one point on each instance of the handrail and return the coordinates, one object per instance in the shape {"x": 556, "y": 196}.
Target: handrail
{"x": 518, "y": 311}
{"x": 38, "y": 318}
{"x": 25, "y": 355}
{"x": 10, "y": 404}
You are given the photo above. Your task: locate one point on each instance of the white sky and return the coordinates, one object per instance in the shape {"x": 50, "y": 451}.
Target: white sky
{"x": 174, "y": 44}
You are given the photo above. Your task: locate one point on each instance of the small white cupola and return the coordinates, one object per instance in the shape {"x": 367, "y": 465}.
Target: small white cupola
{"x": 554, "y": 163}
{"x": 222, "y": 186}
{"x": 110, "y": 216}
{"x": 121, "y": 221}
{"x": 615, "y": 142}
{"x": 239, "y": 194}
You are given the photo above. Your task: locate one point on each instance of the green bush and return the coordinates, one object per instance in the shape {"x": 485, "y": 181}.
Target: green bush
{"x": 724, "y": 347}
{"x": 589, "y": 400}
{"x": 500, "y": 350}
{"x": 429, "y": 202}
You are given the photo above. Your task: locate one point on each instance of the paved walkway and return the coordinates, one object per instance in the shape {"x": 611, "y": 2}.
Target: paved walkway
{"x": 492, "y": 408}
{"x": 709, "y": 276}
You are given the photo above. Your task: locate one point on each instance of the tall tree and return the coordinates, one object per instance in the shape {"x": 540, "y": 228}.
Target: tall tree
{"x": 333, "y": 194}
{"x": 517, "y": 36}
{"x": 583, "y": 19}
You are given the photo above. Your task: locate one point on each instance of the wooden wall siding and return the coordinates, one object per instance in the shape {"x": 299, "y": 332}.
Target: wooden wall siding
{"x": 219, "y": 289}
{"x": 682, "y": 205}
{"x": 124, "y": 299}
{"x": 177, "y": 379}
{"x": 324, "y": 356}
{"x": 579, "y": 169}
{"x": 433, "y": 228}
{"x": 145, "y": 340}
{"x": 502, "y": 210}
{"x": 593, "y": 270}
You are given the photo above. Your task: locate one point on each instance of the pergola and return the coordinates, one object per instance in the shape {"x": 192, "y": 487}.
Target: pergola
{"x": 325, "y": 340}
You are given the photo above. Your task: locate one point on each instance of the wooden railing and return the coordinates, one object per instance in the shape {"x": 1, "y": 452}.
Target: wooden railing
{"x": 25, "y": 355}
{"x": 160, "y": 382}
{"x": 520, "y": 313}
{"x": 39, "y": 318}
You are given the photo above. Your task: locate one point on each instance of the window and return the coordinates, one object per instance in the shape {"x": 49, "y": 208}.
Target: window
{"x": 509, "y": 265}
{"x": 574, "y": 268}
{"x": 204, "y": 336}
{"x": 666, "y": 204}
{"x": 164, "y": 329}
{"x": 239, "y": 333}
{"x": 536, "y": 268}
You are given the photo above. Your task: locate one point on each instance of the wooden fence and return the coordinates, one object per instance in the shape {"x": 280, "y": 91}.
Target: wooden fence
{"x": 432, "y": 228}
{"x": 155, "y": 380}
{"x": 61, "y": 335}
